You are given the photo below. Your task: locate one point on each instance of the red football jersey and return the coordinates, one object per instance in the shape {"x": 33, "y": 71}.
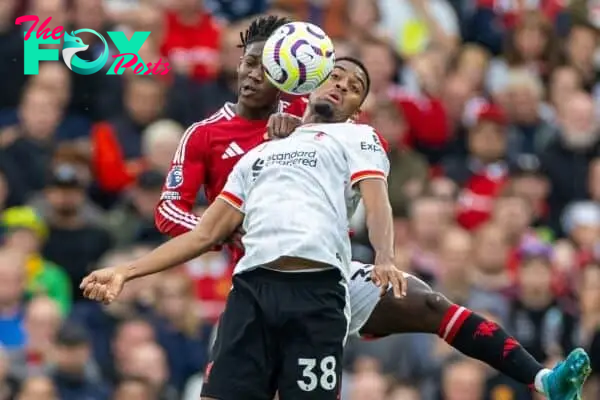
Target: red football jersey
{"x": 206, "y": 155}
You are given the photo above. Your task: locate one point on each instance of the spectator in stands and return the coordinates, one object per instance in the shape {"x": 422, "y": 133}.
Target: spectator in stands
{"x": 446, "y": 191}
{"x": 564, "y": 82}
{"x": 566, "y": 159}
{"x": 159, "y": 143}
{"x": 463, "y": 380}
{"x": 454, "y": 279}
{"x": 73, "y": 242}
{"x": 117, "y": 143}
{"x": 72, "y": 368}
{"x": 104, "y": 321}
{"x": 580, "y": 45}
{"x": 148, "y": 361}
{"x": 427, "y": 225}
{"x": 94, "y": 96}
{"x": 483, "y": 173}
{"x": 581, "y": 222}
{"x": 132, "y": 221}
{"x": 132, "y": 388}
{"x": 422, "y": 106}
{"x": 471, "y": 65}
{"x": 12, "y": 293}
{"x": 181, "y": 332}
{"x": 368, "y": 385}
{"x": 405, "y": 392}
{"x": 529, "y": 182}
{"x": 191, "y": 40}
{"x": 31, "y": 140}
{"x": 57, "y": 79}
{"x": 379, "y": 58}
{"x": 408, "y": 168}
{"x": 26, "y": 232}
{"x": 538, "y": 321}
{"x": 57, "y": 9}
{"x": 37, "y": 388}
{"x": 528, "y": 131}
{"x": 514, "y": 215}
{"x": 129, "y": 335}
{"x": 456, "y": 93}
{"x": 490, "y": 276}
{"x": 506, "y": 17}
{"x": 364, "y": 18}
{"x": 42, "y": 322}
{"x": 532, "y": 46}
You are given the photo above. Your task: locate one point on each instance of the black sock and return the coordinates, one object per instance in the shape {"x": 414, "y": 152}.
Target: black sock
{"x": 486, "y": 341}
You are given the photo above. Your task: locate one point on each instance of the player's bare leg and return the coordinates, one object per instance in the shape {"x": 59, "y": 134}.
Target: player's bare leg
{"x": 426, "y": 311}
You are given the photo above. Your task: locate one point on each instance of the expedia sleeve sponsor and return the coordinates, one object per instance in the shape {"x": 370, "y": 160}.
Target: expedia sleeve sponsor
{"x": 374, "y": 146}
{"x": 305, "y": 158}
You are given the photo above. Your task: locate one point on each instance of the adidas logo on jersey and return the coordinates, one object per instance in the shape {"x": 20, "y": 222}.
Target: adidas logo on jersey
{"x": 233, "y": 150}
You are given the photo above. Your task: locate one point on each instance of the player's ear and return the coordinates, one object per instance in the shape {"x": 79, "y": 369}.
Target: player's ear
{"x": 239, "y": 64}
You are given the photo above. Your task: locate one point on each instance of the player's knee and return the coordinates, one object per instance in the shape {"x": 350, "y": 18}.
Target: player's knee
{"x": 437, "y": 302}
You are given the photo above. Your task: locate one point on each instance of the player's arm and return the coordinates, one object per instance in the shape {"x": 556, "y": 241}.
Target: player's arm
{"x": 369, "y": 168}
{"x": 379, "y": 220}
{"x": 173, "y": 214}
{"x": 218, "y": 222}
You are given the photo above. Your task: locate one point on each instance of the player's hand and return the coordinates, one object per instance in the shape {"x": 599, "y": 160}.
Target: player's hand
{"x": 236, "y": 238}
{"x": 104, "y": 285}
{"x": 384, "y": 274}
{"x": 281, "y": 125}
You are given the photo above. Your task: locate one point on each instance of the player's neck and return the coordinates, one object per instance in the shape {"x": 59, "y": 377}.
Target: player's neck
{"x": 313, "y": 118}
{"x": 255, "y": 113}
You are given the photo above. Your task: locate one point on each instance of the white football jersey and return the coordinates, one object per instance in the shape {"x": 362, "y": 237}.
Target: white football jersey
{"x": 298, "y": 193}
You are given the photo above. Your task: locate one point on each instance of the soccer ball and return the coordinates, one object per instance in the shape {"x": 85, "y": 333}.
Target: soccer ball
{"x": 298, "y": 57}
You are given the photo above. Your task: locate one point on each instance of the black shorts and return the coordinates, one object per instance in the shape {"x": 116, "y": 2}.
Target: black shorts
{"x": 280, "y": 332}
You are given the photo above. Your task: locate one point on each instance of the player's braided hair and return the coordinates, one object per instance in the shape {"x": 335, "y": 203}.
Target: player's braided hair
{"x": 260, "y": 29}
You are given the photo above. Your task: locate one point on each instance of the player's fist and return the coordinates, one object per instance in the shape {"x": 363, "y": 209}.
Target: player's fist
{"x": 281, "y": 125}
{"x": 104, "y": 284}
{"x": 384, "y": 274}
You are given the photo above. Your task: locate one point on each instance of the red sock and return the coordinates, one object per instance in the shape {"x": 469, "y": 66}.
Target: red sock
{"x": 486, "y": 341}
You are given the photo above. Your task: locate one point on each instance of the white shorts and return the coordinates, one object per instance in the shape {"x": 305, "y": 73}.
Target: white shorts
{"x": 364, "y": 295}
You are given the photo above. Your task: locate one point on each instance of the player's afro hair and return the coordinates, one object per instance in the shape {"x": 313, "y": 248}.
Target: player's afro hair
{"x": 261, "y": 28}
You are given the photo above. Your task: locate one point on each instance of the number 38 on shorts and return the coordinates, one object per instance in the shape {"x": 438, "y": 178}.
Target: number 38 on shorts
{"x": 317, "y": 373}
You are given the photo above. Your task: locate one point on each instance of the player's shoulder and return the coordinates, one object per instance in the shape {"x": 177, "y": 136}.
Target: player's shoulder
{"x": 347, "y": 131}
{"x": 199, "y": 133}
{"x": 212, "y": 123}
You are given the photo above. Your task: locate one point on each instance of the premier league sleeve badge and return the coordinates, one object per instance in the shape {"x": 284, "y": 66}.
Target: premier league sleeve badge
{"x": 175, "y": 177}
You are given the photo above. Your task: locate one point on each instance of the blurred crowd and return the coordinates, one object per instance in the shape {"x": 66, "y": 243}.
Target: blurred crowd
{"x": 492, "y": 111}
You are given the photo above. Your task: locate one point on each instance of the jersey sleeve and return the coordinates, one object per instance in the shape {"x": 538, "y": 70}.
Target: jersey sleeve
{"x": 297, "y": 107}
{"x": 234, "y": 191}
{"x": 173, "y": 214}
{"x": 365, "y": 154}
